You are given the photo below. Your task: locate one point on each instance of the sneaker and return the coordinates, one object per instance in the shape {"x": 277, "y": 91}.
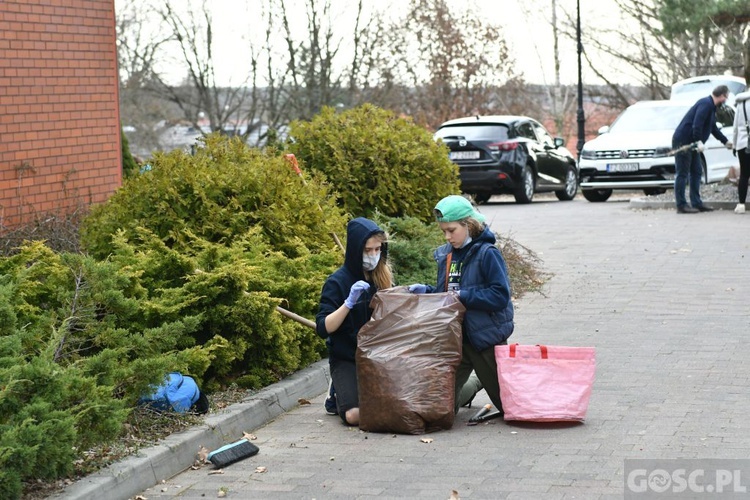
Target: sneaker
{"x": 740, "y": 208}
{"x": 330, "y": 404}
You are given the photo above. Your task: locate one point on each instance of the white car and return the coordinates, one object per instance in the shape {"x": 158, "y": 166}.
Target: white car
{"x": 635, "y": 152}
{"x": 692, "y": 89}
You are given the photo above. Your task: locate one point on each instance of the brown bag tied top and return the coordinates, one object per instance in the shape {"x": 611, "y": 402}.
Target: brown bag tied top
{"x": 407, "y": 356}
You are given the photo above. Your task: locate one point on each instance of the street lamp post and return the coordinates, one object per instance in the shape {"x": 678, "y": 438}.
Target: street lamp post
{"x": 579, "y": 114}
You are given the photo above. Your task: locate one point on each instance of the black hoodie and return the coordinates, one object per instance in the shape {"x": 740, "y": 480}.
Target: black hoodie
{"x": 342, "y": 344}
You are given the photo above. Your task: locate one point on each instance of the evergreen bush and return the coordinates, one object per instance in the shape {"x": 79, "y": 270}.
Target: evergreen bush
{"x": 217, "y": 194}
{"x": 59, "y": 370}
{"x": 376, "y": 161}
{"x": 82, "y": 339}
{"x": 225, "y": 236}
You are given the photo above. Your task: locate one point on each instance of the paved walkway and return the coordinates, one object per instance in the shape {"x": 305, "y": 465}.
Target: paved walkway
{"x": 662, "y": 296}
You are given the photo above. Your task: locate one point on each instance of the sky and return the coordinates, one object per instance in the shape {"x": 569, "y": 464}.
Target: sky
{"x": 525, "y": 24}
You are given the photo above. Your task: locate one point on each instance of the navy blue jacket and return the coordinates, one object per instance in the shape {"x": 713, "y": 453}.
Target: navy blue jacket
{"x": 342, "y": 344}
{"x": 485, "y": 291}
{"x": 698, "y": 123}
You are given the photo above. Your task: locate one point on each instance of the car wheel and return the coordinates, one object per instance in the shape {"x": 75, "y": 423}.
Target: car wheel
{"x": 654, "y": 191}
{"x": 482, "y": 198}
{"x": 524, "y": 192}
{"x": 597, "y": 195}
{"x": 571, "y": 186}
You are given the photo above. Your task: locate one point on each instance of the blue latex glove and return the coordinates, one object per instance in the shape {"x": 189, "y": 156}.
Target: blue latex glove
{"x": 418, "y": 288}
{"x": 357, "y": 289}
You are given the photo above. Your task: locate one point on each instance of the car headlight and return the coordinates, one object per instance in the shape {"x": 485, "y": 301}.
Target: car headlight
{"x": 588, "y": 154}
{"x": 659, "y": 152}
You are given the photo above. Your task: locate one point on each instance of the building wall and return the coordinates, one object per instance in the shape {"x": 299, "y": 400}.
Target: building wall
{"x": 59, "y": 115}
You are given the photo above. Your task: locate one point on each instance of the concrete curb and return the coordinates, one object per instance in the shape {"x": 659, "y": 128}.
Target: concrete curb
{"x": 644, "y": 204}
{"x": 177, "y": 452}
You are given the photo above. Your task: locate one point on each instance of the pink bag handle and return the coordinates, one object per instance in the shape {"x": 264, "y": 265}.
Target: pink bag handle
{"x": 542, "y": 348}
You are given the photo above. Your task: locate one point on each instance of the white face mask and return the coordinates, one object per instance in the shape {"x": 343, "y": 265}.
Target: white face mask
{"x": 369, "y": 262}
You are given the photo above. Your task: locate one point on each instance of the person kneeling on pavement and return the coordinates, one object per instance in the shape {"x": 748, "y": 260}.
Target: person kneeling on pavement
{"x": 472, "y": 266}
{"x": 345, "y": 308}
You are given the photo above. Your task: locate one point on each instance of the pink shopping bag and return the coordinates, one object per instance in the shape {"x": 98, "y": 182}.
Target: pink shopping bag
{"x": 545, "y": 383}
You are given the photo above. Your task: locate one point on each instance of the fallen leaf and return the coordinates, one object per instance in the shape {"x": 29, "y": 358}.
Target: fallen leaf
{"x": 249, "y": 437}
{"x": 260, "y": 470}
{"x": 454, "y": 495}
{"x": 303, "y": 401}
{"x": 427, "y": 440}
{"x": 221, "y": 494}
{"x": 140, "y": 497}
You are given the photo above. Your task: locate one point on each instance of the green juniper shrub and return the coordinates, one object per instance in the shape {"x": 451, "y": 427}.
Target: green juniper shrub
{"x": 216, "y": 194}
{"x": 49, "y": 405}
{"x": 233, "y": 292}
{"x": 376, "y": 161}
{"x": 83, "y": 339}
{"x": 226, "y": 235}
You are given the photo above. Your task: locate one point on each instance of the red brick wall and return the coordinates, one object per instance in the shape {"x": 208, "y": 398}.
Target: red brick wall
{"x": 59, "y": 115}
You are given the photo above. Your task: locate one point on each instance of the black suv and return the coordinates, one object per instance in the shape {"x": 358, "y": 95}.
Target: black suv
{"x": 509, "y": 155}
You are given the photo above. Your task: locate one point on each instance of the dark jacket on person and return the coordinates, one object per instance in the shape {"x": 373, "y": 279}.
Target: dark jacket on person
{"x": 484, "y": 290}
{"x": 698, "y": 123}
{"x": 342, "y": 344}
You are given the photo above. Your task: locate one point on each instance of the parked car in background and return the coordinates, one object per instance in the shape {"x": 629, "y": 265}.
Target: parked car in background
{"x": 509, "y": 155}
{"x": 635, "y": 152}
{"x": 692, "y": 89}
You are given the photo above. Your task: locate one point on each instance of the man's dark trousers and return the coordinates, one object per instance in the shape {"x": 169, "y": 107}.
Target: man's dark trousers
{"x": 687, "y": 165}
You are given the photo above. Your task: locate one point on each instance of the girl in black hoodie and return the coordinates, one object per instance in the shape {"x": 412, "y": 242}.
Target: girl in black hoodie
{"x": 345, "y": 307}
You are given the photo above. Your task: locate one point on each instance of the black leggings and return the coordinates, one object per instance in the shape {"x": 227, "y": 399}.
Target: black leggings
{"x": 744, "y": 174}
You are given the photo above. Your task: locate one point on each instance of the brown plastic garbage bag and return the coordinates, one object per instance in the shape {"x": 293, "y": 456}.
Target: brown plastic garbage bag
{"x": 407, "y": 355}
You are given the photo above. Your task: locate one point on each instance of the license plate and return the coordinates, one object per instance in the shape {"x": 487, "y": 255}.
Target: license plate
{"x": 463, "y": 155}
{"x": 622, "y": 167}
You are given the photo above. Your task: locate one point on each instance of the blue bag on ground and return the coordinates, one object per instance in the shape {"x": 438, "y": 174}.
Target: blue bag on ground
{"x": 178, "y": 393}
